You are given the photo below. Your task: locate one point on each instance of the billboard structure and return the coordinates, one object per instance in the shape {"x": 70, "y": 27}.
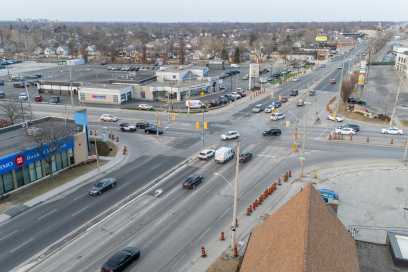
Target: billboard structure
{"x": 321, "y": 38}
{"x": 253, "y": 73}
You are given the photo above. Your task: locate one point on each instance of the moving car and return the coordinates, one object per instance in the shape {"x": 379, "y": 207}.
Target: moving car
{"x": 245, "y": 157}
{"x": 352, "y": 126}
{"x": 224, "y": 154}
{"x": 54, "y": 100}
{"x": 206, "y": 154}
{"x": 38, "y": 98}
{"x": 392, "y": 131}
{"x": 23, "y": 97}
{"x": 192, "y": 182}
{"x": 268, "y": 109}
{"x": 345, "y": 131}
{"x": 294, "y": 93}
{"x": 102, "y": 186}
{"x": 258, "y": 108}
{"x": 283, "y": 99}
{"x": 108, "y": 118}
{"x": 144, "y": 107}
{"x": 312, "y": 93}
{"x": 277, "y": 116}
{"x": 300, "y": 103}
{"x": 121, "y": 259}
{"x": 230, "y": 135}
{"x": 142, "y": 124}
{"x": 272, "y": 132}
{"x": 332, "y": 81}
{"x": 125, "y": 127}
{"x": 153, "y": 130}
{"x": 335, "y": 118}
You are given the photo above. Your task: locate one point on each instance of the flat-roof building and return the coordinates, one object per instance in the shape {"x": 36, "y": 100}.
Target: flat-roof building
{"x": 113, "y": 94}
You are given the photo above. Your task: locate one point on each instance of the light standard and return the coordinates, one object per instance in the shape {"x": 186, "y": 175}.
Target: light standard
{"x": 234, "y": 224}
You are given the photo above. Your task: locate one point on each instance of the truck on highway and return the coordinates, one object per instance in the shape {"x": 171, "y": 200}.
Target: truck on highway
{"x": 194, "y": 104}
{"x": 224, "y": 154}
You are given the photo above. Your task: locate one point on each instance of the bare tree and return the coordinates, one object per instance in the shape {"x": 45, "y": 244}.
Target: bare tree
{"x": 13, "y": 109}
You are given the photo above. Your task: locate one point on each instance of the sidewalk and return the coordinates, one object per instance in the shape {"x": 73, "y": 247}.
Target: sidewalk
{"x": 108, "y": 164}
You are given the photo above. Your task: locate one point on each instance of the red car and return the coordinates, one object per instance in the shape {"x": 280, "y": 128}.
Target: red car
{"x": 332, "y": 81}
{"x": 38, "y": 98}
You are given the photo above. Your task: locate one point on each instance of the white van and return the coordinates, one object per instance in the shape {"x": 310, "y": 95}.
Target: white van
{"x": 194, "y": 104}
{"x": 224, "y": 154}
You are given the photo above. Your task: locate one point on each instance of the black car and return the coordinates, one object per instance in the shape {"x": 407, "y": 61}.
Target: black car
{"x": 142, "y": 124}
{"x": 223, "y": 99}
{"x": 121, "y": 259}
{"x": 294, "y": 93}
{"x": 230, "y": 97}
{"x": 354, "y": 127}
{"x": 20, "y": 84}
{"x": 272, "y": 132}
{"x": 192, "y": 182}
{"x": 353, "y": 100}
{"x": 153, "y": 130}
{"x": 102, "y": 186}
{"x": 245, "y": 157}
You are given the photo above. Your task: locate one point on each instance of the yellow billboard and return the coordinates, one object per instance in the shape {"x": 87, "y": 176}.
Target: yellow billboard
{"x": 321, "y": 38}
{"x": 361, "y": 79}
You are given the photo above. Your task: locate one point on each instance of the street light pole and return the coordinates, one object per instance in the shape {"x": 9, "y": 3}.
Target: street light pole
{"x": 234, "y": 225}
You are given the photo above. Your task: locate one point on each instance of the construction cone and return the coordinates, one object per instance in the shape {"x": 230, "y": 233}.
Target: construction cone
{"x": 279, "y": 181}
{"x": 249, "y": 211}
{"x": 289, "y": 173}
{"x": 235, "y": 251}
{"x": 222, "y": 236}
{"x": 203, "y": 253}
{"x": 254, "y": 206}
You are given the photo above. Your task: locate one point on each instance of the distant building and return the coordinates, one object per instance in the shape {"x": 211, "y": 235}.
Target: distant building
{"x": 62, "y": 51}
{"x": 105, "y": 94}
{"x": 401, "y": 62}
{"x": 49, "y": 52}
{"x": 304, "y": 235}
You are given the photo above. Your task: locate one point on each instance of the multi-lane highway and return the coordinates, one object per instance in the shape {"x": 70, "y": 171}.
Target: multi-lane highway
{"x": 170, "y": 229}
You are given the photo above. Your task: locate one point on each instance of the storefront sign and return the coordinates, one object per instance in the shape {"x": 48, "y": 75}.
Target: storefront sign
{"x": 99, "y": 97}
{"x": 20, "y": 159}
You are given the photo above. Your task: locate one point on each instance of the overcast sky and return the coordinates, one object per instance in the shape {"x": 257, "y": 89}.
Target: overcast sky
{"x": 207, "y": 10}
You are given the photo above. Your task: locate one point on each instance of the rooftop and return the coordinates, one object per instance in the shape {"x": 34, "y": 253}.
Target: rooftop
{"x": 106, "y": 86}
{"x": 17, "y": 138}
{"x": 186, "y": 83}
{"x": 303, "y": 235}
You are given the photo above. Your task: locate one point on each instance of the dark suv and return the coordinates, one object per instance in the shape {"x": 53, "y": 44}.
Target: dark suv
{"x": 294, "y": 93}
{"x": 102, "y": 186}
{"x": 142, "y": 124}
{"x": 153, "y": 130}
{"x": 192, "y": 182}
{"x": 272, "y": 132}
{"x": 245, "y": 157}
{"x": 121, "y": 259}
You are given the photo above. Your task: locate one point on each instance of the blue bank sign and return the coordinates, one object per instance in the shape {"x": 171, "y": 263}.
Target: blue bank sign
{"x": 18, "y": 160}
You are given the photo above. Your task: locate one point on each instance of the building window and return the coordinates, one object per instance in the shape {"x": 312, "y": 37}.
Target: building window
{"x": 64, "y": 159}
{"x": 53, "y": 164}
{"x": 46, "y": 167}
{"x": 20, "y": 177}
{"x": 33, "y": 175}
{"x": 81, "y": 96}
{"x": 38, "y": 169}
{"x": 1, "y": 186}
{"x": 58, "y": 161}
{"x": 26, "y": 174}
{"x": 115, "y": 99}
{"x": 8, "y": 182}
{"x": 71, "y": 158}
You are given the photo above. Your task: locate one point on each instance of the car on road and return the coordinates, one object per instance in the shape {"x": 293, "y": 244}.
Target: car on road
{"x": 258, "y": 108}
{"x": 283, "y": 99}
{"x": 236, "y": 95}
{"x": 224, "y": 154}
{"x": 144, "y": 107}
{"x": 352, "y": 126}
{"x": 121, "y": 260}
{"x": 300, "y": 103}
{"x": 192, "y": 182}
{"x": 22, "y": 84}
{"x": 276, "y": 104}
{"x": 392, "y": 131}
{"x": 294, "y": 92}
{"x": 108, "y": 118}
{"x": 152, "y": 129}
{"x": 277, "y": 116}
{"x": 206, "y": 154}
{"x": 125, "y": 127}
{"x": 54, "y": 100}
{"x": 38, "y": 98}
{"x": 332, "y": 81}
{"x": 345, "y": 131}
{"x": 245, "y": 157}
{"x": 230, "y": 135}
{"x": 272, "y": 132}
{"x": 23, "y": 96}
{"x": 312, "y": 93}
{"x": 268, "y": 109}
{"x": 142, "y": 124}
{"x": 335, "y": 118}
{"x": 102, "y": 186}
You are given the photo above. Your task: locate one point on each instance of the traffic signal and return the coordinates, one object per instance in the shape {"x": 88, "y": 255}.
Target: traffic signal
{"x": 197, "y": 125}
{"x": 205, "y": 124}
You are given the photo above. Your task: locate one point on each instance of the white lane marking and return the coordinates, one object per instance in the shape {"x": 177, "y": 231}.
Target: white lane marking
{"x": 22, "y": 245}
{"x": 266, "y": 156}
{"x": 8, "y": 235}
{"x": 77, "y": 197}
{"x": 46, "y": 214}
{"x": 79, "y": 211}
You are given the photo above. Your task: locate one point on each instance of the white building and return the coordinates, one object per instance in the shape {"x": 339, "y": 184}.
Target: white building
{"x": 401, "y": 62}
{"x": 105, "y": 94}
{"x": 182, "y": 73}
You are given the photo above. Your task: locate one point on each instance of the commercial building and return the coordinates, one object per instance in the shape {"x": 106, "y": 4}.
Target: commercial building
{"x": 105, "y": 94}
{"x": 401, "y": 62}
{"x": 304, "y": 235}
{"x": 44, "y": 147}
{"x": 58, "y": 87}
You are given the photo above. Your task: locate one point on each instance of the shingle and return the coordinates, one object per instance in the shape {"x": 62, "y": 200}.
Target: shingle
{"x": 303, "y": 235}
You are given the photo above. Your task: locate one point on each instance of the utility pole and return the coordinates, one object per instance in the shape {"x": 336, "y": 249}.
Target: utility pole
{"x": 396, "y": 102}
{"x": 157, "y": 124}
{"x": 234, "y": 225}
{"x": 404, "y": 158}
{"x": 202, "y": 128}
{"x": 340, "y": 88}
{"x": 302, "y": 156}
{"x": 96, "y": 152}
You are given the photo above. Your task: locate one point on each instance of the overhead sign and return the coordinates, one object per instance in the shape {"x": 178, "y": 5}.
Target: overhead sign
{"x": 254, "y": 70}
{"x": 321, "y": 38}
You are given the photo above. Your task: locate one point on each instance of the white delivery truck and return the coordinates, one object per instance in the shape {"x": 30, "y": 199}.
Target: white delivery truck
{"x": 224, "y": 154}
{"x": 194, "y": 104}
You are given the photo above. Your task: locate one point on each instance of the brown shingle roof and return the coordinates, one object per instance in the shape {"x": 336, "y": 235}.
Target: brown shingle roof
{"x": 302, "y": 236}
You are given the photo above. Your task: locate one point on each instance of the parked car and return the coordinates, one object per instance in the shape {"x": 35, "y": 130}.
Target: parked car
{"x": 258, "y": 108}
{"x": 142, "y": 124}
{"x": 345, "y": 131}
{"x": 276, "y": 104}
{"x": 300, "y": 103}
{"x": 241, "y": 93}
{"x": 206, "y": 154}
{"x": 245, "y": 157}
{"x": 392, "y": 131}
{"x": 352, "y": 126}
{"x": 236, "y": 95}
{"x": 38, "y": 98}
{"x": 125, "y": 127}
{"x": 223, "y": 99}
{"x": 272, "y": 132}
{"x": 192, "y": 182}
{"x": 54, "y": 100}
{"x": 283, "y": 99}
{"x": 23, "y": 96}
{"x": 153, "y": 130}
{"x": 22, "y": 84}
{"x": 332, "y": 81}
{"x": 268, "y": 109}
{"x": 294, "y": 92}
{"x": 335, "y": 118}
{"x": 312, "y": 93}
{"x": 224, "y": 154}
{"x": 230, "y": 135}
{"x": 108, "y": 118}
{"x": 144, "y": 107}
{"x": 121, "y": 259}
{"x": 102, "y": 186}
{"x": 277, "y": 116}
